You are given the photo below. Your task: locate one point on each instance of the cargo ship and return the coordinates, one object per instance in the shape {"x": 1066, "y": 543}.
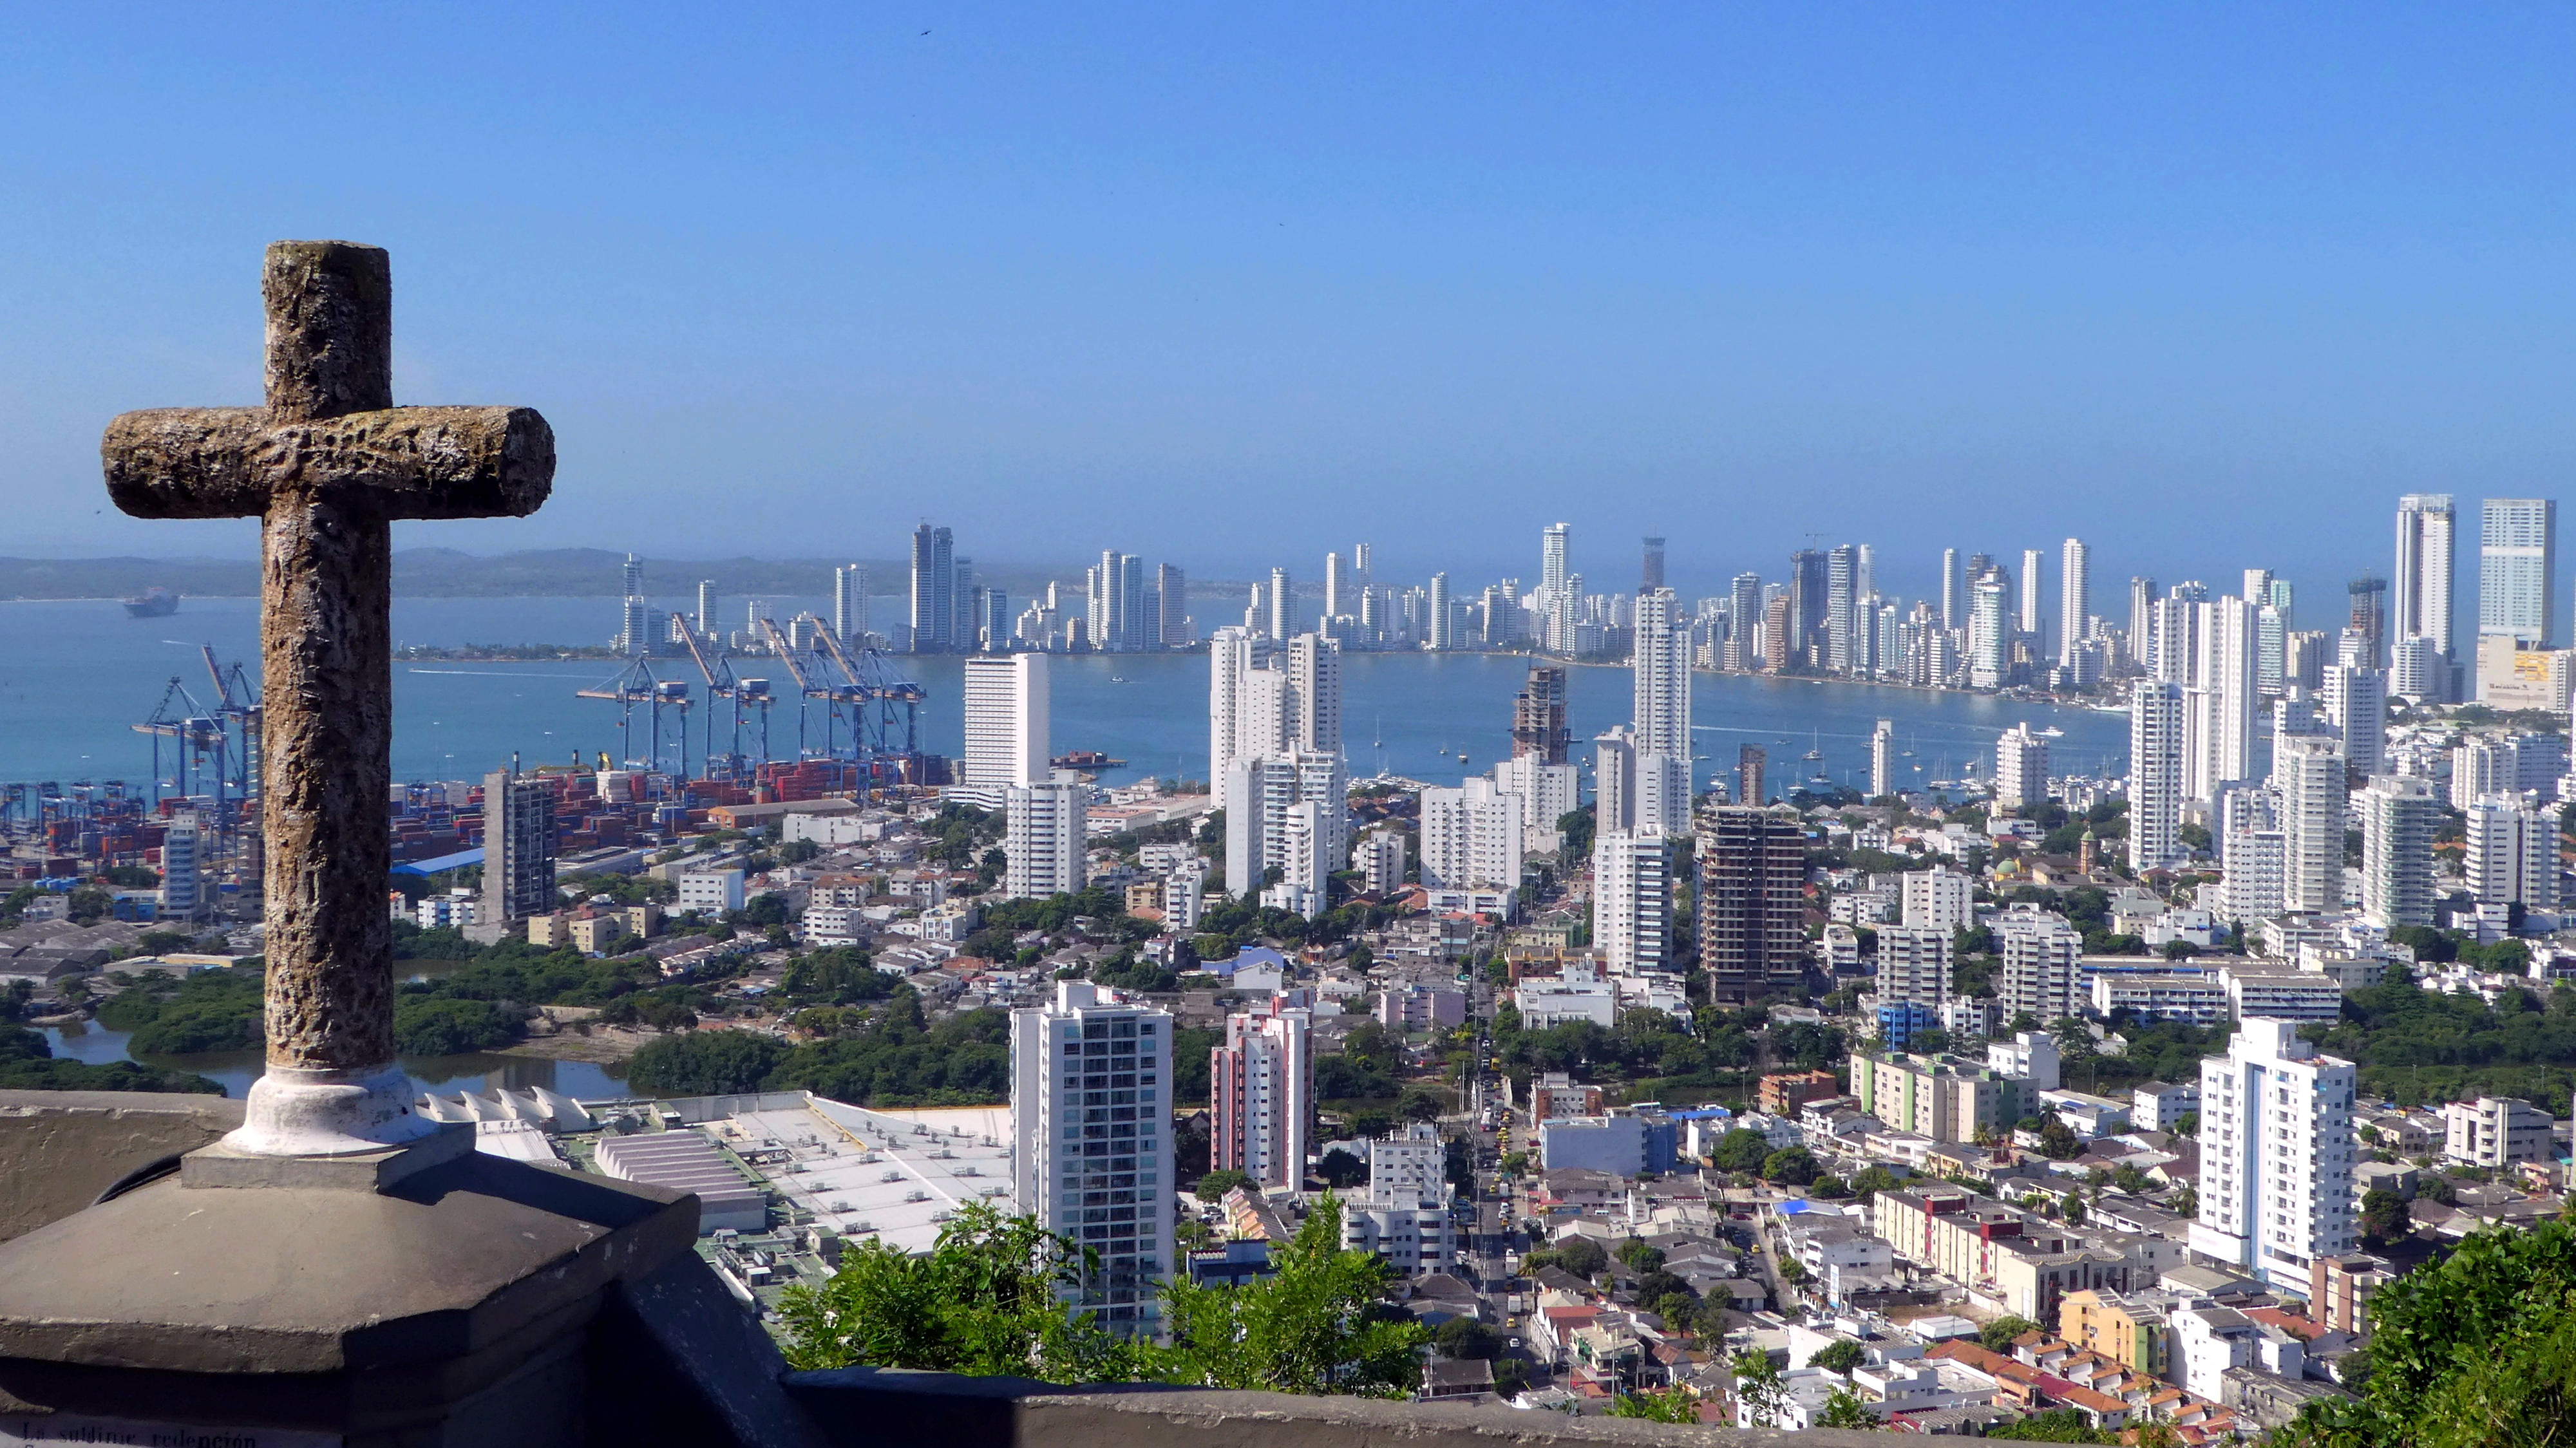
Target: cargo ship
{"x": 152, "y": 603}
{"x": 1086, "y": 759}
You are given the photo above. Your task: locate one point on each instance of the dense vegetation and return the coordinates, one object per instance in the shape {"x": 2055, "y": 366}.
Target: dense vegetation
{"x": 206, "y": 1010}
{"x": 985, "y": 1300}
{"x": 27, "y": 1064}
{"x": 2416, "y": 1046}
{"x": 892, "y": 1058}
{"x": 1658, "y": 1057}
{"x": 2478, "y": 1351}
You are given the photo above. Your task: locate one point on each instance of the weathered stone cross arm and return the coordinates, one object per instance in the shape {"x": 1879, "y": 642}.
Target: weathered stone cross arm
{"x": 398, "y": 462}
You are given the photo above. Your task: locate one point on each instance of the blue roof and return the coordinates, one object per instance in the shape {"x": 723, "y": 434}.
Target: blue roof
{"x": 443, "y": 863}
{"x": 1250, "y": 955}
{"x": 1701, "y": 1113}
{"x": 1792, "y": 1207}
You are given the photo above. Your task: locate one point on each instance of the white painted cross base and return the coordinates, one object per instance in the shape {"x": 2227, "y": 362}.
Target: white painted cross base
{"x": 292, "y": 1112}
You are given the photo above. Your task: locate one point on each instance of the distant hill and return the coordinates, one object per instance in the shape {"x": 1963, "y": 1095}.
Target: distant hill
{"x": 447, "y": 573}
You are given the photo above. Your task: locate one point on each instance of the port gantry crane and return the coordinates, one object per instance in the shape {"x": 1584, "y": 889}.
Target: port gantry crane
{"x": 637, "y": 684}
{"x": 862, "y": 699}
{"x": 219, "y": 747}
{"x": 723, "y": 684}
{"x": 887, "y": 693}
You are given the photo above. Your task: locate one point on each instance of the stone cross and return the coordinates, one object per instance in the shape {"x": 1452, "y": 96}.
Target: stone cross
{"x": 327, "y": 466}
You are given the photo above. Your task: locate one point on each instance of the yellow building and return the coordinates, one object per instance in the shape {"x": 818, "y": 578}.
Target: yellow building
{"x": 2128, "y": 1333}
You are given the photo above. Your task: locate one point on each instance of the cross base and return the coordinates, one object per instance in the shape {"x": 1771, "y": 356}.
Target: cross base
{"x": 295, "y": 1112}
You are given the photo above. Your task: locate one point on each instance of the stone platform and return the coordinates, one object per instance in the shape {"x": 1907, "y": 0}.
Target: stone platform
{"x": 474, "y": 1301}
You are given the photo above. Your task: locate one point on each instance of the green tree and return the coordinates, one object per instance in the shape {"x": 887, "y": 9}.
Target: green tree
{"x": 984, "y": 1300}
{"x": 1869, "y": 1181}
{"x": 1844, "y": 1409}
{"x": 1998, "y": 1335}
{"x": 1673, "y": 1405}
{"x": 1312, "y": 1326}
{"x": 1840, "y": 1356}
{"x": 2058, "y": 1141}
{"x": 1465, "y": 1337}
{"x": 1757, "y": 1388}
{"x": 708, "y": 1063}
{"x": 1583, "y": 1257}
{"x": 1740, "y": 1150}
{"x": 1793, "y": 1166}
{"x": 2476, "y": 1352}
{"x": 2384, "y": 1217}
{"x": 432, "y": 1026}
{"x": 1213, "y": 1186}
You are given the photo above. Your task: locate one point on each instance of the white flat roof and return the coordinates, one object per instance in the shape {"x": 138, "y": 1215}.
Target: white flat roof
{"x": 891, "y": 1175}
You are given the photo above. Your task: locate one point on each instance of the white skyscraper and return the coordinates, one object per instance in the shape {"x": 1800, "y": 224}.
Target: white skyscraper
{"x": 1283, "y": 605}
{"x": 849, "y": 602}
{"x": 1882, "y": 759}
{"x": 1949, "y": 588}
{"x": 2032, "y": 618}
{"x": 2398, "y": 815}
{"x": 2356, "y": 709}
{"x": 1631, "y": 901}
{"x": 1556, "y": 588}
{"x": 2021, "y": 768}
{"x": 1287, "y": 811}
{"x": 1989, "y": 634}
{"x": 183, "y": 863}
{"x": 2419, "y": 604}
{"x": 2074, "y": 598}
{"x": 1315, "y": 694}
{"x": 2512, "y": 852}
{"x": 1661, "y": 675}
{"x": 2155, "y": 775}
{"x": 2308, "y": 775}
{"x": 2040, "y": 951}
{"x": 1339, "y": 599}
{"x": 1090, "y": 1106}
{"x": 1471, "y": 837}
{"x": 1380, "y": 859}
{"x": 2257, "y": 859}
{"x": 2142, "y": 622}
{"x": 2276, "y": 1154}
{"x": 1045, "y": 826}
{"x": 1261, "y": 1095}
{"x": 1614, "y": 780}
{"x": 2220, "y": 705}
{"x": 1549, "y": 792}
{"x": 1937, "y": 899}
{"x": 1233, "y": 654}
{"x": 1442, "y": 633}
{"x": 1008, "y": 697}
{"x": 1914, "y": 964}
{"x": 2518, "y": 570}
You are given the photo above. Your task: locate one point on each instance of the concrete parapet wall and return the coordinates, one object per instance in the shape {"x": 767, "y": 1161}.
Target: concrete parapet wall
{"x": 60, "y": 1149}
{"x": 870, "y": 1406}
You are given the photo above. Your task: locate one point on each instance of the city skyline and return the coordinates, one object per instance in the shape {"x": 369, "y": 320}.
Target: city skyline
{"x": 2245, "y": 271}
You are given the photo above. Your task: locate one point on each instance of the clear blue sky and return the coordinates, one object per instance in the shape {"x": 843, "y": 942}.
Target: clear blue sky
{"x": 2207, "y": 285}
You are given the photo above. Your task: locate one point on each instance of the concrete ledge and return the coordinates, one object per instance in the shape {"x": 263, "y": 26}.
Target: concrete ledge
{"x": 60, "y": 1149}
{"x": 872, "y": 1406}
{"x": 224, "y": 1165}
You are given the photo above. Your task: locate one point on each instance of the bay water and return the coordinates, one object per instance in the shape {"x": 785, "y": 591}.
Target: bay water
{"x": 75, "y": 676}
